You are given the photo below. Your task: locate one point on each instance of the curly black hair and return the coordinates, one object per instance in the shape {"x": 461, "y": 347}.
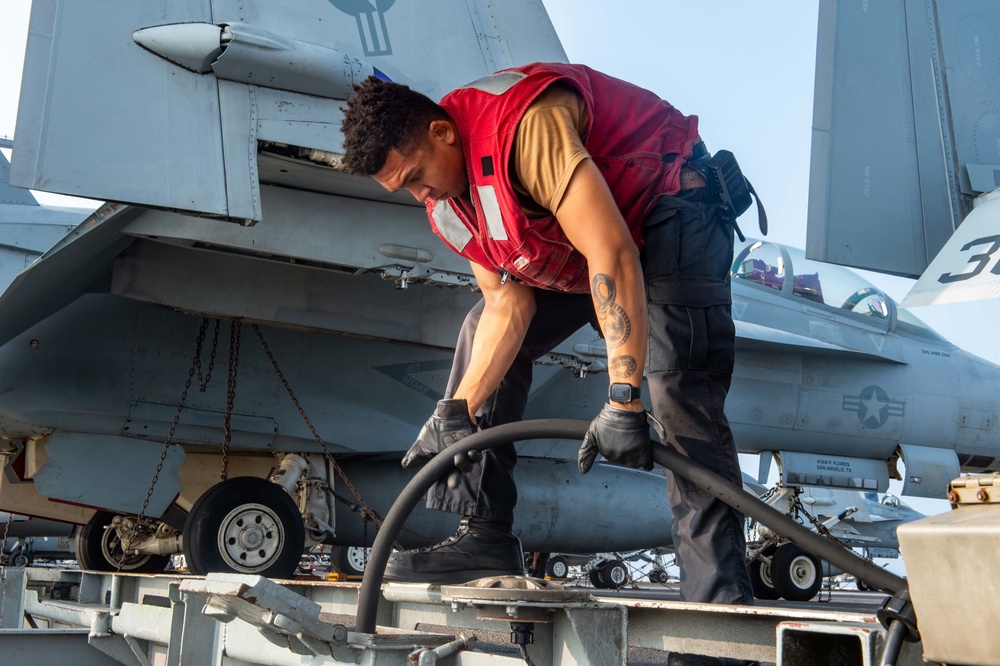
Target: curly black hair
{"x": 380, "y": 116}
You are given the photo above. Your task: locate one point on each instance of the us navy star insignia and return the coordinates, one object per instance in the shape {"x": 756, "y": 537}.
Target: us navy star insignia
{"x": 873, "y": 406}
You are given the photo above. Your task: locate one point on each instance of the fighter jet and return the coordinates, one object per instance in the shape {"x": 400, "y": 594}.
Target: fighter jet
{"x": 180, "y": 383}
{"x": 864, "y": 521}
{"x": 778, "y": 568}
{"x": 24, "y": 540}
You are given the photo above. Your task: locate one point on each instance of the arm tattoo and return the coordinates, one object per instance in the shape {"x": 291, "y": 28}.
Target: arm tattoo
{"x": 622, "y": 367}
{"x": 615, "y": 324}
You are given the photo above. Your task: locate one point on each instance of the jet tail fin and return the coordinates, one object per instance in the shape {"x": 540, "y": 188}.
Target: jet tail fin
{"x": 968, "y": 267}
{"x": 12, "y": 195}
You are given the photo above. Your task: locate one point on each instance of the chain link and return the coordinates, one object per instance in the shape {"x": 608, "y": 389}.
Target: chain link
{"x": 195, "y": 365}
{"x": 367, "y": 513}
{"x": 6, "y": 531}
{"x": 203, "y": 382}
{"x": 820, "y": 529}
{"x": 364, "y": 545}
{"x": 3, "y": 568}
{"x": 234, "y": 361}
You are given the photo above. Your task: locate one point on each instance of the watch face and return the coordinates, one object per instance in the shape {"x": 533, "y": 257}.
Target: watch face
{"x": 623, "y": 393}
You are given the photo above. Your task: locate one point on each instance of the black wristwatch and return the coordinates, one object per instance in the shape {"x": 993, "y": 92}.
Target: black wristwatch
{"x": 621, "y": 392}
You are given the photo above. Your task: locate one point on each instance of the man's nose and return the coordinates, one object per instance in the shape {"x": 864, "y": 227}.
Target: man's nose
{"x": 419, "y": 192}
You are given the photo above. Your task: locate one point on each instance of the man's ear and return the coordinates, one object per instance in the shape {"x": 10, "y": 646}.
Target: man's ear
{"x": 443, "y": 130}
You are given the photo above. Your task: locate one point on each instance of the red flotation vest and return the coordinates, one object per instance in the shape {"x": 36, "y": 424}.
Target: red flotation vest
{"x": 638, "y": 141}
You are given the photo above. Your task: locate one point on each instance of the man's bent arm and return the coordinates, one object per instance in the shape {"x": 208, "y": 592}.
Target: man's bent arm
{"x": 502, "y": 326}
{"x": 593, "y": 224}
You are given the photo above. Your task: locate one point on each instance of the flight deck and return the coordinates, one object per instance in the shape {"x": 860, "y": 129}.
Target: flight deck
{"x": 55, "y": 615}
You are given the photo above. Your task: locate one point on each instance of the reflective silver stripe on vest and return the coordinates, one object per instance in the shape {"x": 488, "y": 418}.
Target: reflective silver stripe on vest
{"x": 450, "y": 225}
{"x": 496, "y": 84}
{"x": 491, "y": 211}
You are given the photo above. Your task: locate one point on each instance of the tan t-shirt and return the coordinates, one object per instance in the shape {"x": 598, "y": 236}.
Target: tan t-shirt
{"x": 547, "y": 149}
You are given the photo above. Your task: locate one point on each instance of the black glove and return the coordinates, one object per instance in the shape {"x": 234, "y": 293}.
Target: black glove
{"x": 448, "y": 424}
{"x": 621, "y": 435}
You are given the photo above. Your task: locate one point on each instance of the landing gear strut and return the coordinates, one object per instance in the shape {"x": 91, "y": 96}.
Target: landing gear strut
{"x": 99, "y": 547}
{"x": 609, "y": 575}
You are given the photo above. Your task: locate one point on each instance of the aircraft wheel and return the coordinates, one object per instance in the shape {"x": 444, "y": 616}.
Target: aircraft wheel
{"x": 760, "y": 579}
{"x": 797, "y": 575}
{"x": 658, "y": 575}
{"x": 595, "y": 576}
{"x": 244, "y": 525}
{"x": 98, "y": 548}
{"x": 557, "y": 567}
{"x": 760, "y": 575}
{"x": 351, "y": 560}
{"x": 614, "y": 574}
{"x": 863, "y": 586}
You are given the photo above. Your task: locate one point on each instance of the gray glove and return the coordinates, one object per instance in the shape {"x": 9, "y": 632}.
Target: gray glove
{"x": 621, "y": 435}
{"x": 448, "y": 424}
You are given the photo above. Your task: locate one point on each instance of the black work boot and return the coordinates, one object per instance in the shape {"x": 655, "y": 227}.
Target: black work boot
{"x": 479, "y": 549}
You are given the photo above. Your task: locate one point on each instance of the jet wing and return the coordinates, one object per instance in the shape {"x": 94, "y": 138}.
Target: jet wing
{"x": 82, "y": 259}
{"x": 165, "y": 104}
{"x": 756, "y": 337}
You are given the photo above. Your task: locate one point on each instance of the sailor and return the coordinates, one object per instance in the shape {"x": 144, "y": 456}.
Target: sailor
{"x": 573, "y": 195}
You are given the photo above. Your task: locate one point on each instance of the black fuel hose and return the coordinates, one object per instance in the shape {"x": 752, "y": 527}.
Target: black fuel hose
{"x": 894, "y": 639}
{"x": 712, "y": 483}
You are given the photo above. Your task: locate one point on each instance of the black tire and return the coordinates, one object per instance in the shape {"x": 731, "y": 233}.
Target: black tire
{"x": 98, "y": 548}
{"x": 863, "y": 586}
{"x": 244, "y": 525}
{"x": 595, "y": 577}
{"x": 658, "y": 576}
{"x": 351, "y": 560}
{"x": 760, "y": 579}
{"x": 614, "y": 573}
{"x": 760, "y": 575}
{"x": 557, "y": 567}
{"x": 796, "y": 574}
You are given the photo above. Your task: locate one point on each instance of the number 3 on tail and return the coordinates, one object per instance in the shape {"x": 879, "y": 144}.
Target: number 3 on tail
{"x": 981, "y": 260}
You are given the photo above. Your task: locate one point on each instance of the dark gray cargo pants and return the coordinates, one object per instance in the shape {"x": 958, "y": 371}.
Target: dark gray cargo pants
{"x": 686, "y": 261}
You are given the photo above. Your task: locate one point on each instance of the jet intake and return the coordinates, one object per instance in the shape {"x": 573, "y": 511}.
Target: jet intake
{"x": 247, "y": 54}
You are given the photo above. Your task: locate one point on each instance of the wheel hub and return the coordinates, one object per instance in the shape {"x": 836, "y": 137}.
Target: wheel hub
{"x": 765, "y": 573}
{"x": 358, "y": 557}
{"x": 802, "y": 572}
{"x": 250, "y": 537}
{"x": 113, "y": 549}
